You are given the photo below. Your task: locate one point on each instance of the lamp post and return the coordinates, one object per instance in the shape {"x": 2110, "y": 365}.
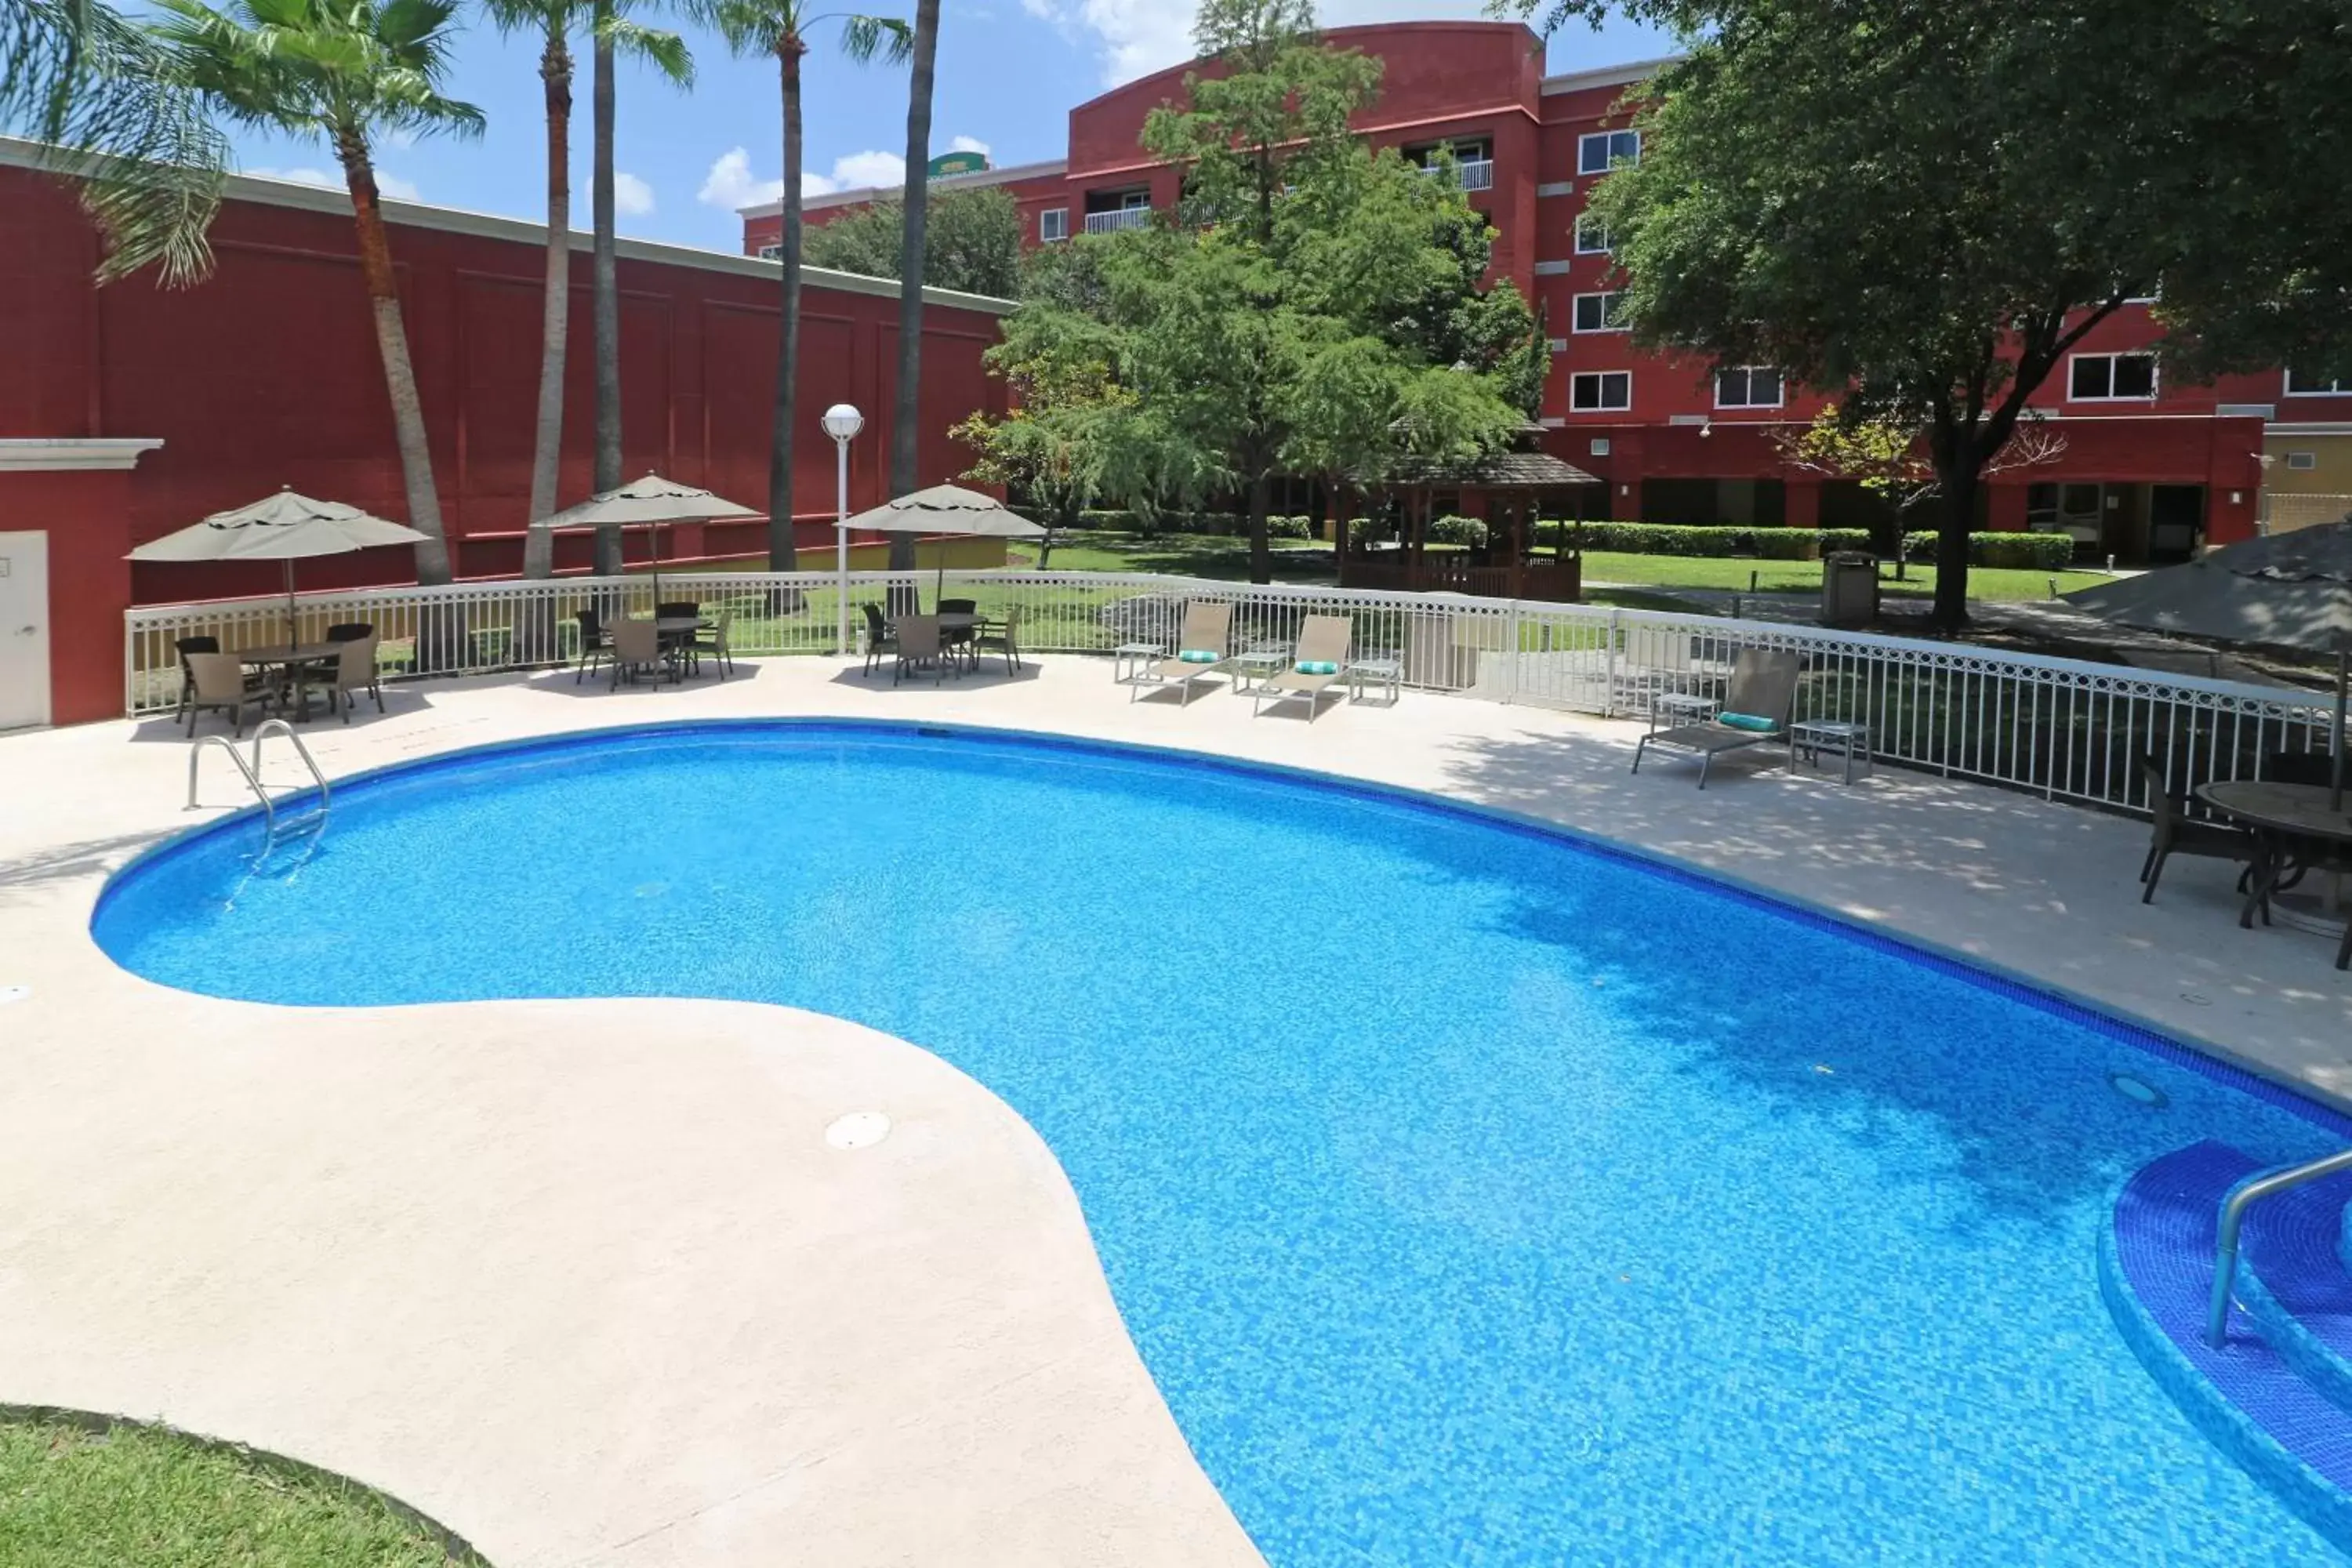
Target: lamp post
{"x": 842, "y": 422}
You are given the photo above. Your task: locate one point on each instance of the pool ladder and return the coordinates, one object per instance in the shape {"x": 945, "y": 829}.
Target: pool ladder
{"x": 2234, "y": 1216}
{"x": 277, "y": 828}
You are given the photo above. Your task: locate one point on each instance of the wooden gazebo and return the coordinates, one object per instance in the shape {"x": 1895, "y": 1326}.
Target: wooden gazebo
{"x": 1509, "y": 491}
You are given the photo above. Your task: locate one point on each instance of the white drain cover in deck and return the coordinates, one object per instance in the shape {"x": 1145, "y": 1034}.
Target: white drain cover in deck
{"x": 859, "y": 1130}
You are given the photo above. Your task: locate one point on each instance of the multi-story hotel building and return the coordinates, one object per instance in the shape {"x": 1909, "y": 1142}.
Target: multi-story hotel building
{"x": 2149, "y": 467}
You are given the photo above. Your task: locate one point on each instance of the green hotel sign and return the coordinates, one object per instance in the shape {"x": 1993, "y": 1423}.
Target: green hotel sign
{"x": 958, "y": 163}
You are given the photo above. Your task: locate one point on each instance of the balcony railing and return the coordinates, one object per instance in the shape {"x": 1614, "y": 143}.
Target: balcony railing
{"x": 1123, "y": 218}
{"x": 1475, "y": 173}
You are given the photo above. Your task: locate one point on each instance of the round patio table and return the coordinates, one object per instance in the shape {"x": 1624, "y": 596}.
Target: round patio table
{"x": 2294, "y": 828}
{"x": 291, "y": 660}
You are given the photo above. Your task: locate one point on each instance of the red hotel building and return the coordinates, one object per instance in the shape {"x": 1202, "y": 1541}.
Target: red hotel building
{"x": 2149, "y": 469}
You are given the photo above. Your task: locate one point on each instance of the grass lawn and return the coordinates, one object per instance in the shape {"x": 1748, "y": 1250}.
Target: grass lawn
{"x": 73, "y": 1498}
{"x": 1993, "y": 583}
{"x": 1176, "y": 554}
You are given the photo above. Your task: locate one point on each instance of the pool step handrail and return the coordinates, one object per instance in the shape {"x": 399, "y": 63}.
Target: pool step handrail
{"x": 274, "y": 827}
{"x": 2233, "y": 1219}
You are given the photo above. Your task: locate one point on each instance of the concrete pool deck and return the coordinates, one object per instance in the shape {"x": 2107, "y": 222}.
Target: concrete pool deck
{"x": 584, "y": 1282}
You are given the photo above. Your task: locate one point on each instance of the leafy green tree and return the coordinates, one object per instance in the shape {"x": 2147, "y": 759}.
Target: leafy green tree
{"x": 88, "y": 83}
{"x": 552, "y": 21}
{"x": 972, "y": 241}
{"x": 780, "y": 30}
{"x": 1930, "y": 206}
{"x": 349, "y": 71}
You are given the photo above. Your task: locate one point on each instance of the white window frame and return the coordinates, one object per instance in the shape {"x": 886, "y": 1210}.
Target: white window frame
{"x": 1583, "y": 220}
{"x": 1609, "y": 160}
{"x": 2155, "y": 381}
{"x": 1748, "y": 371}
{"x": 1599, "y": 380}
{"x": 1063, "y": 214}
{"x": 2303, "y": 462}
{"x": 772, "y": 253}
{"x": 1575, "y": 312}
{"x": 2337, "y": 388}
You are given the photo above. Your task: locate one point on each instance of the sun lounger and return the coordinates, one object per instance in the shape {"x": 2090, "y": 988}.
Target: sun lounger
{"x": 1205, "y": 647}
{"x": 1316, "y": 665}
{"x": 1757, "y": 709}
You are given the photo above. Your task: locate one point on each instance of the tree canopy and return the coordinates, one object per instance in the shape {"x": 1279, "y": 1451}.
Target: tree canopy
{"x": 1925, "y": 207}
{"x": 972, "y": 241}
{"x": 1314, "y": 307}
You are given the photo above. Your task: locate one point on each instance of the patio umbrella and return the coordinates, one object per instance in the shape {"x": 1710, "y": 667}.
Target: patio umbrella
{"x": 944, "y": 509}
{"x": 2287, "y": 590}
{"x": 285, "y": 528}
{"x": 643, "y": 504}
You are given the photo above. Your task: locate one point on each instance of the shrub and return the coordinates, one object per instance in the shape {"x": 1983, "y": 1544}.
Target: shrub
{"x": 2025, "y": 552}
{"x": 1453, "y": 529}
{"x": 1230, "y": 523}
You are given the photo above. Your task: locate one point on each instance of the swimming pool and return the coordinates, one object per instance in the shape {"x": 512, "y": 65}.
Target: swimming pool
{"x": 1475, "y": 1196}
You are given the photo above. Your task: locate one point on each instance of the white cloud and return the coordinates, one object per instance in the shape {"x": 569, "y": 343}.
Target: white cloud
{"x": 389, "y": 185}
{"x": 731, "y": 185}
{"x": 1136, "y": 37}
{"x": 632, "y": 197}
{"x": 969, "y": 144}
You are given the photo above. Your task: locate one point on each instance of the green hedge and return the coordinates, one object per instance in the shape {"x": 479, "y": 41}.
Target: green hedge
{"x": 1230, "y": 524}
{"x": 2025, "y": 552}
{"x": 1451, "y": 529}
{"x": 2032, "y": 551}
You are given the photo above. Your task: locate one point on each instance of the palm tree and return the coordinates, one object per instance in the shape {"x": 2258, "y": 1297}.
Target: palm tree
{"x": 347, "y": 70}
{"x": 553, "y": 20}
{"x": 87, "y": 82}
{"x": 904, "y": 445}
{"x": 780, "y": 29}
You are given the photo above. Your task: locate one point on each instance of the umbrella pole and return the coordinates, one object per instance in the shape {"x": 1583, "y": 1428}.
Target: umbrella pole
{"x": 940, "y": 583}
{"x": 292, "y": 641}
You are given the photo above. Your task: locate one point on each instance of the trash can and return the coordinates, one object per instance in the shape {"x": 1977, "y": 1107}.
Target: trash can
{"x": 1849, "y": 589}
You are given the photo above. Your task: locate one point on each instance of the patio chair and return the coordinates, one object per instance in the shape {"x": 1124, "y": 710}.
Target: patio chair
{"x": 959, "y": 607}
{"x": 637, "y": 647}
{"x": 1757, "y": 709}
{"x": 186, "y": 645}
{"x": 353, "y": 672}
{"x": 216, "y": 680}
{"x": 714, "y": 643}
{"x": 1204, "y": 648}
{"x": 350, "y": 631}
{"x": 595, "y": 643}
{"x": 678, "y": 610}
{"x": 2299, "y": 768}
{"x": 879, "y": 639}
{"x": 1005, "y": 638}
{"x": 917, "y": 644}
{"x": 1315, "y": 665}
{"x": 2172, "y": 831}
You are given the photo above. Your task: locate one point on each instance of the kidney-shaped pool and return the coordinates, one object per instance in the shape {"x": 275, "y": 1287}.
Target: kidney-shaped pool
{"x": 1475, "y": 1194}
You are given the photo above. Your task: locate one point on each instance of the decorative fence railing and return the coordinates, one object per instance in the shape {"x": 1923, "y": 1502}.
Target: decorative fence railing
{"x": 2064, "y": 729}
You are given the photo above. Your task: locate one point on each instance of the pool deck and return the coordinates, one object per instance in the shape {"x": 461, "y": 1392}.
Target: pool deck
{"x": 583, "y": 1280}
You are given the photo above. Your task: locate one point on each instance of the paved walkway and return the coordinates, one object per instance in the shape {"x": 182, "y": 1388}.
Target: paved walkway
{"x": 584, "y": 1280}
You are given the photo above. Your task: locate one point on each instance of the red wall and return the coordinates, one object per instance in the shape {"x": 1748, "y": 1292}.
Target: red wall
{"x": 267, "y": 374}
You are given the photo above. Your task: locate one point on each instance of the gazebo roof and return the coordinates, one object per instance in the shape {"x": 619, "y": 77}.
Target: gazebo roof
{"x": 1496, "y": 471}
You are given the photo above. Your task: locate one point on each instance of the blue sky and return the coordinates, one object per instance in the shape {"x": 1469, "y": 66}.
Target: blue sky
{"x": 1009, "y": 71}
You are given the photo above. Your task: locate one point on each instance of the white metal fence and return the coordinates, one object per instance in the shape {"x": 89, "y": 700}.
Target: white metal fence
{"x": 2064, "y": 728}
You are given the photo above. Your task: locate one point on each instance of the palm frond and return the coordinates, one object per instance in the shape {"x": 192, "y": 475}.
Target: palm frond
{"x": 863, "y": 37}
{"x": 657, "y": 46}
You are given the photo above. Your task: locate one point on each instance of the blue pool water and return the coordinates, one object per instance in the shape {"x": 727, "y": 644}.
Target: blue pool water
{"x": 1476, "y": 1197}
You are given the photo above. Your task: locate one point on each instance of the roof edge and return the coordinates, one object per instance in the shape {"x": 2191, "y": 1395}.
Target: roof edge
{"x": 855, "y": 193}
{"x": 1622, "y": 75}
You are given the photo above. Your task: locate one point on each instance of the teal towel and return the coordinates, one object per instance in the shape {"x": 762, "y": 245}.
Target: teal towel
{"x": 1316, "y": 666}
{"x": 1200, "y": 655}
{"x": 1755, "y": 722}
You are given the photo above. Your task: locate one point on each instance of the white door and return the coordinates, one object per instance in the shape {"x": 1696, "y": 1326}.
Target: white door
{"x": 23, "y": 629}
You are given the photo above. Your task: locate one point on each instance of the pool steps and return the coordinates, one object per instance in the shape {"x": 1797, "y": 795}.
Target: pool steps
{"x": 2278, "y": 1397}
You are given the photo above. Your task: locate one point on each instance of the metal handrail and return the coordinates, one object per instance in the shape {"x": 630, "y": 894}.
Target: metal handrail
{"x": 280, "y": 727}
{"x": 252, "y": 780}
{"x": 251, "y": 773}
{"x": 2234, "y": 1218}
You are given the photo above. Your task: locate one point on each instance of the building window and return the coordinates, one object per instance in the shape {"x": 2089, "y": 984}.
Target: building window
{"x": 1593, "y": 391}
{"x": 1605, "y": 149}
{"x": 2314, "y": 387}
{"x": 2112, "y": 378}
{"x": 1748, "y": 386}
{"x": 2303, "y": 462}
{"x": 772, "y": 253}
{"x": 1473, "y": 160}
{"x": 1054, "y": 224}
{"x": 1591, "y": 236}
{"x": 1600, "y": 314}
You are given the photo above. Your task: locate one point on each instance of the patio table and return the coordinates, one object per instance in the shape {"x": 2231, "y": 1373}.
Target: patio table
{"x": 291, "y": 661}
{"x": 2294, "y": 830}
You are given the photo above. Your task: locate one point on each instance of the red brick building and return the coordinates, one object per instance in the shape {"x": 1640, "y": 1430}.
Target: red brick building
{"x": 131, "y": 411}
{"x": 2149, "y": 469}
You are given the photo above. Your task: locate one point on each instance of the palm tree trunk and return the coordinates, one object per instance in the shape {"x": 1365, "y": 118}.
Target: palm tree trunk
{"x": 399, "y": 375}
{"x": 783, "y": 553}
{"x": 906, "y": 422}
{"x": 555, "y": 315}
{"x": 605, "y": 302}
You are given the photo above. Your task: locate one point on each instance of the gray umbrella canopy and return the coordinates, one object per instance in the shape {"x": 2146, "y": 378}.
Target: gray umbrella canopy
{"x": 947, "y": 508}
{"x": 650, "y": 499}
{"x": 2287, "y": 590}
{"x": 285, "y": 528}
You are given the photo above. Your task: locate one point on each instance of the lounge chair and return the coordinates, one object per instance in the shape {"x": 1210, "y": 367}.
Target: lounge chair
{"x": 218, "y": 680}
{"x": 1315, "y": 665}
{"x": 2172, "y": 831}
{"x": 1204, "y": 648}
{"x": 1756, "y": 710}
